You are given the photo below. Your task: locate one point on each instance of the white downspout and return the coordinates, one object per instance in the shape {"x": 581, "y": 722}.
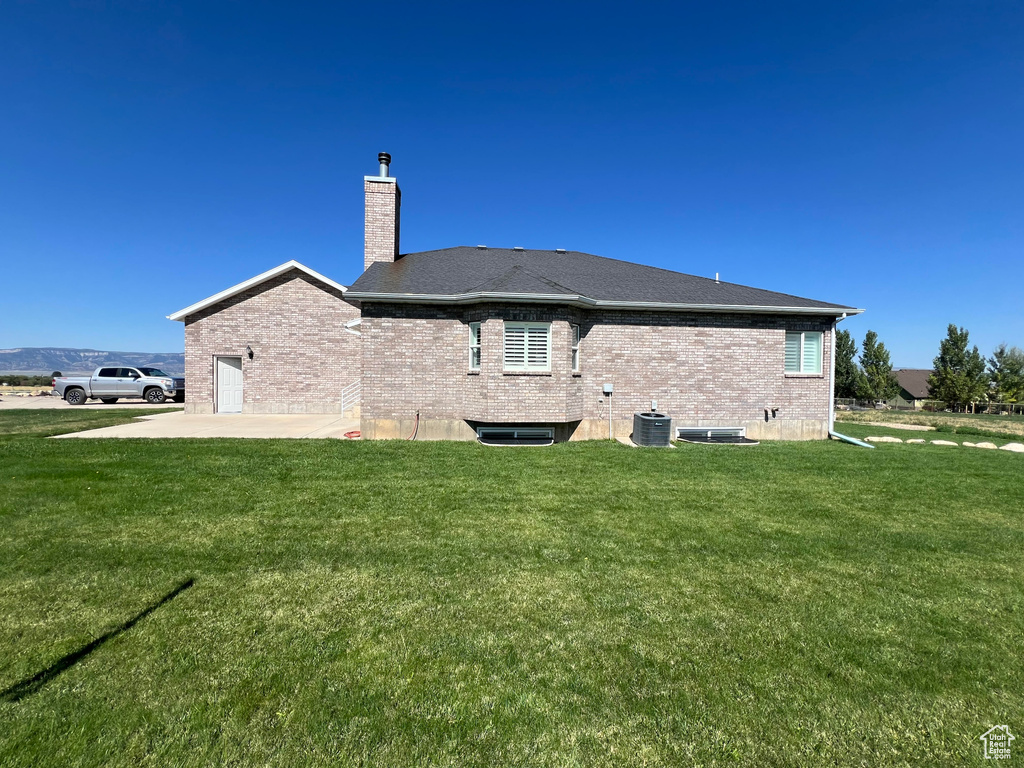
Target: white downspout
{"x": 832, "y": 397}
{"x": 832, "y": 382}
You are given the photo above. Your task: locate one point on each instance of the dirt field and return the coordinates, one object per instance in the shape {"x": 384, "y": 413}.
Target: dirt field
{"x": 28, "y": 397}
{"x": 1007, "y": 425}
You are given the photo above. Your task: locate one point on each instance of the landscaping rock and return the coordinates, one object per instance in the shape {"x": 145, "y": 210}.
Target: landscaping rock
{"x": 969, "y": 445}
{"x": 987, "y": 446}
{"x": 945, "y": 442}
{"x": 1013, "y": 447}
{"x": 917, "y": 440}
{"x": 883, "y": 439}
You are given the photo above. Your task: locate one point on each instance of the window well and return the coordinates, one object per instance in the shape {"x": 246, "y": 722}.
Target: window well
{"x": 515, "y": 435}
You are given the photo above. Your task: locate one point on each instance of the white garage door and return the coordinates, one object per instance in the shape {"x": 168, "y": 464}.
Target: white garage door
{"x": 229, "y": 385}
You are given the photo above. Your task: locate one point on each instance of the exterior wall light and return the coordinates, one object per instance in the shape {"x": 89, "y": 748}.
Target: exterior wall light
{"x": 248, "y": 351}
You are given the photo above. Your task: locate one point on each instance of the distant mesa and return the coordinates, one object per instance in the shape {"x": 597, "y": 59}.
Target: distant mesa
{"x": 42, "y": 361}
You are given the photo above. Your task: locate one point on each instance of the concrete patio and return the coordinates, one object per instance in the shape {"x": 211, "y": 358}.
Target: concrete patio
{"x": 177, "y": 424}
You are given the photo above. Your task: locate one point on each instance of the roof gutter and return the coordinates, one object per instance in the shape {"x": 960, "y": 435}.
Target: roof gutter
{"x": 586, "y": 302}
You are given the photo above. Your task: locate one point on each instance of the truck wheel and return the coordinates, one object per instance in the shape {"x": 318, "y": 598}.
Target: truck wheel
{"x": 154, "y": 395}
{"x": 75, "y": 396}
{"x": 108, "y": 400}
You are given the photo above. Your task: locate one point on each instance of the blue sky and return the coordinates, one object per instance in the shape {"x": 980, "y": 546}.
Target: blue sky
{"x": 152, "y": 154}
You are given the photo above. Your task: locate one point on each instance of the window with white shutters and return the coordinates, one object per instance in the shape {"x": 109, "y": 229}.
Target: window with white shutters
{"x": 793, "y": 342}
{"x": 803, "y": 352}
{"x": 527, "y": 346}
{"x": 811, "y": 357}
{"x": 515, "y": 346}
{"x": 575, "y": 348}
{"x": 474, "y": 346}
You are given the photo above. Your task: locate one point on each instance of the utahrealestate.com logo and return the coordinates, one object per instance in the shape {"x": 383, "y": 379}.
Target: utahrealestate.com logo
{"x": 997, "y": 742}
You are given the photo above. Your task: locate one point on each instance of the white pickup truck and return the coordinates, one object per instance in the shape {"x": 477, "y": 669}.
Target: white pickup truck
{"x": 111, "y": 384}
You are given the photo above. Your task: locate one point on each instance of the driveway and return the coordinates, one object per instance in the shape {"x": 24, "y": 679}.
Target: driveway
{"x": 177, "y": 424}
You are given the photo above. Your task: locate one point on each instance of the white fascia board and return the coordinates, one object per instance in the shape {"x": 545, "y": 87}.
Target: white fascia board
{"x": 588, "y": 303}
{"x": 181, "y": 314}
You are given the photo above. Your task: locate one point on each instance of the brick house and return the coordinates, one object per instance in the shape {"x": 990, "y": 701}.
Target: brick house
{"x": 455, "y": 342}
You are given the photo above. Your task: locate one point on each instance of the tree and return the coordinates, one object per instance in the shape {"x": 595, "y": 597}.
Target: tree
{"x": 1006, "y": 371}
{"x": 878, "y": 382}
{"x": 847, "y": 373}
{"x": 959, "y": 377}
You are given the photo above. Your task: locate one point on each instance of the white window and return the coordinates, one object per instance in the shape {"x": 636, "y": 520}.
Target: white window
{"x": 575, "y": 347}
{"x": 803, "y": 351}
{"x": 527, "y": 346}
{"x": 474, "y": 346}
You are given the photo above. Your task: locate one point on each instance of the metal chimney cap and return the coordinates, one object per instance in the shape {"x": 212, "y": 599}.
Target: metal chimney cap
{"x": 518, "y": 248}
{"x": 384, "y": 158}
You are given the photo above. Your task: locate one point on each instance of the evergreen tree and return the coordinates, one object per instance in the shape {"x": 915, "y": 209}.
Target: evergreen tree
{"x": 878, "y": 382}
{"x": 1006, "y": 370}
{"x": 847, "y": 373}
{"x": 959, "y": 377}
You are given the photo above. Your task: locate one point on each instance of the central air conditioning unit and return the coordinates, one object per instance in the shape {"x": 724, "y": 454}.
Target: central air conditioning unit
{"x": 652, "y": 429}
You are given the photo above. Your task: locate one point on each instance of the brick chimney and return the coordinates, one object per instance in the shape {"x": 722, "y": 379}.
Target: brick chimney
{"x": 383, "y": 206}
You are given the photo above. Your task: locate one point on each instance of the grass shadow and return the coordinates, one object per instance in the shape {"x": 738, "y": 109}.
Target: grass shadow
{"x": 31, "y": 685}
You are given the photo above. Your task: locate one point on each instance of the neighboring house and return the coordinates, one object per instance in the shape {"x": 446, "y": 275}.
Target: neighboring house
{"x": 452, "y": 341}
{"x": 913, "y": 388}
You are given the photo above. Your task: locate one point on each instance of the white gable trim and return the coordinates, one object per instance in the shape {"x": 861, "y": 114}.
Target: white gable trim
{"x": 181, "y": 314}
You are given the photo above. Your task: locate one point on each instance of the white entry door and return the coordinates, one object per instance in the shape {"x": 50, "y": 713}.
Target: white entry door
{"x": 229, "y": 385}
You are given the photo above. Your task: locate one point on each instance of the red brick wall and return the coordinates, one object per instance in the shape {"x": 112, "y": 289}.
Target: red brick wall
{"x": 302, "y": 354}
{"x": 701, "y": 368}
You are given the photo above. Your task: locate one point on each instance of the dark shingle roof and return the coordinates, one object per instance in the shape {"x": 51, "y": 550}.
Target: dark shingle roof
{"x": 914, "y": 381}
{"x": 464, "y": 271}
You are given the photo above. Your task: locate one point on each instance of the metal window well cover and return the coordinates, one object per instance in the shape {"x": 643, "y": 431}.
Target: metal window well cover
{"x": 715, "y": 436}
{"x": 511, "y": 436}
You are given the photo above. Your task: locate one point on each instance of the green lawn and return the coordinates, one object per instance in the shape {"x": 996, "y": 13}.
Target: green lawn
{"x": 407, "y": 604}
